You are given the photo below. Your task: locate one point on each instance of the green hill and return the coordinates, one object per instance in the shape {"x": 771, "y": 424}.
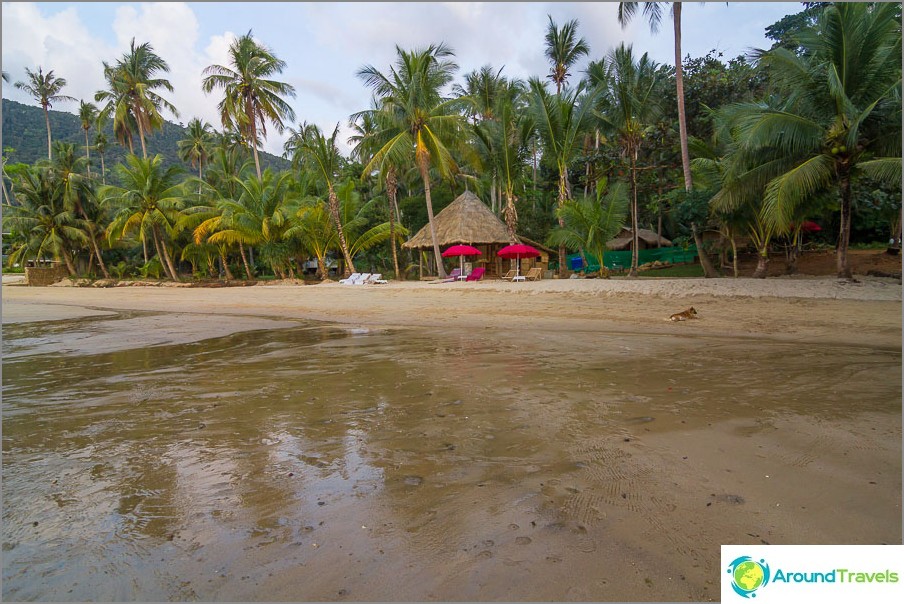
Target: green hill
{"x": 25, "y": 137}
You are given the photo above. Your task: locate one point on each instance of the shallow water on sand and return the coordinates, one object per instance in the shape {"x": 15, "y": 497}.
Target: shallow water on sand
{"x": 326, "y": 462}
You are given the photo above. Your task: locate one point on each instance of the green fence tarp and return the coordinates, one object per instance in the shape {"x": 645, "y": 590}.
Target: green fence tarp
{"x": 616, "y": 260}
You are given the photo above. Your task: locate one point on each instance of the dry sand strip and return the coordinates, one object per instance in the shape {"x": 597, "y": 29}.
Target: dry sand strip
{"x": 867, "y": 313}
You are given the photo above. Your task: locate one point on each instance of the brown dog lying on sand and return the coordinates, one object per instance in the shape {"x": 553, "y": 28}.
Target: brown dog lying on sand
{"x": 684, "y": 315}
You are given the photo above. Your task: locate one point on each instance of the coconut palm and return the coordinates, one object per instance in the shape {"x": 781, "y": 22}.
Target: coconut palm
{"x": 418, "y": 124}
{"x": 131, "y": 97}
{"x": 40, "y": 221}
{"x": 561, "y": 121}
{"x": 630, "y": 110}
{"x": 148, "y": 203}
{"x": 840, "y": 118}
{"x": 563, "y": 49}
{"x": 197, "y": 146}
{"x": 591, "y": 222}
{"x": 481, "y": 92}
{"x": 364, "y": 124}
{"x": 77, "y": 193}
{"x": 100, "y": 145}
{"x": 44, "y": 88}
{"x": 250, "y": 97}
{"x": 87, "y": 115}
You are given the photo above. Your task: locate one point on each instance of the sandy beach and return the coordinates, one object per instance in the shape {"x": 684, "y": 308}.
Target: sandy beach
{"x": 554, "y": 440}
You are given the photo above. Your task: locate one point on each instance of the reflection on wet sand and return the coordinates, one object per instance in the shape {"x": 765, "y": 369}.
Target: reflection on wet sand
{"x": 319, "y": 462}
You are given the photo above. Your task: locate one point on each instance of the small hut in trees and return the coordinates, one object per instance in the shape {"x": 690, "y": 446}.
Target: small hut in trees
{"x": 467, "y": 220}
{"x": 646, "y": 239}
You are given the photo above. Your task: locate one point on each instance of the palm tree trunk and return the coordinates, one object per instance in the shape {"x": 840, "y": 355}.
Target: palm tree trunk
{"x": 679, "y": 84}
{"x": 160, "y": 254}
{"x": 563, "y": 178}
{"x": 163, "y": 254}
{"x": 64, "y": 252}
{"x": 709, "y": 271}
{"x": 422, "y": 165}
{"x": 734, "y": 254}
{"x": 245, "y": 261}
{"x": 144, "y": 248}
{"x": 511, "y": 215}
{"x": 225, "y": 265}
{"x": 103, "y": 168}
{"x": 249, "y": 110}
{"x": 391, "y": 194}
{"x": 634, "y": 238}
{"x": 761, "y": 263}
{"x": 337, "y": 223}
{"x": 144, "y": 151}
{"x": 100, "y": 260}
{"x": 844, "y": 237}
{"x": 88, "y": 153}
{"x": 47, "y": 121}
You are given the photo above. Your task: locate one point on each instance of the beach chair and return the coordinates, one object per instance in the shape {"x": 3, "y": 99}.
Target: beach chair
{"x": 362, "y": 279}
{"x": 376, "y": 279}
{"x": 509, "y": 275}
{"x": 534, "y": 274}
{"x": 453, "y": 276}
{"x": 476, "y": 274}
{"x": 350, "y": 279}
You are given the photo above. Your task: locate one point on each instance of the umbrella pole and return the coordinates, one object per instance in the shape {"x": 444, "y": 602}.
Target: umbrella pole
{"x": 461, "y": 260}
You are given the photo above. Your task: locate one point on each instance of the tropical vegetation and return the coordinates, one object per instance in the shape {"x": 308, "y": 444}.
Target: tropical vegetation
{"x": 728, "y": 156}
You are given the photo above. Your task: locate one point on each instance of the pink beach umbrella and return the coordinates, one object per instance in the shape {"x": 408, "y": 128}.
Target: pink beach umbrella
{"x": 516, "y": 251}
{"x": 461, "y": 251}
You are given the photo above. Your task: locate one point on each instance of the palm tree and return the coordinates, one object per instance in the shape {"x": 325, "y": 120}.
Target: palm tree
{"x": 197, "y": 146}
{"x": 591, "y": 222}
{"x": 312, "y": 151}
{"x": 100, "y": 145}
{"x": 653, "y": 12}
{"x": 416, "y": 122}
{"x": 42, "y": 223}
{"x": 250, "y": 98}
{"x": 366, "y": 144}
{"x": 841, "y": 118}
{"x": 631, "y": 108}
{"x": 563, "y": 50}
{"x": 77, "y": 192}
{"x": 87, "y": 114}
{"x": 45, "y": 88}
{"x": 149, "y": 203}
{"x": 131, "y": 95}
{"x": 561, "y": 121}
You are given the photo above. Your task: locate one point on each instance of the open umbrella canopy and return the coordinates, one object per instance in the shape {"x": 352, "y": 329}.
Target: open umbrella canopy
{"x": 517, "y": 250}
{"x": 461, "y": 250}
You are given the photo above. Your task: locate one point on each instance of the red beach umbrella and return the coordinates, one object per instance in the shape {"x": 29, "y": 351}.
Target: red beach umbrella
{"x": 461, "y": 251}
{"x": 810, "y": 227}
{"x": 516, "y": 251}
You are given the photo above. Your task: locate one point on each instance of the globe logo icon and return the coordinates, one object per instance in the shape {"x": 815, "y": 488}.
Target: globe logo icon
{"x": 748, "y": 575}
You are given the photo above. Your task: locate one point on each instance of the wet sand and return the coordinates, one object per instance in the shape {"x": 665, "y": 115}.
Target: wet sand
{"x": 554, "y": 442}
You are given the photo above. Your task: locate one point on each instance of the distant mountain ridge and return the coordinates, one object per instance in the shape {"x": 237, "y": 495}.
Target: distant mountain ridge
{"x": 25, "y": 134}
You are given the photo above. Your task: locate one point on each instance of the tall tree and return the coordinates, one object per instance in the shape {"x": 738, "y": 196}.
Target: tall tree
{"x": 312, "y": 151}
{"x": 840, "y": 117}
{"x": 148, "y": 203}
{"x": 45, "y": 88}
{"x": 100, "y": 145}
{"x": 653, "y": 12}
{"x": 631, "y": 108}
{"x": 418, "y": 123}
{"x": 563, "y": 49}
{"x": 87, "y": 114}
{"x": 131, "y": 92}
{"x": 561, "y": 121}
{"x": 197, "y": 145}
{"x": 250, "y": 97}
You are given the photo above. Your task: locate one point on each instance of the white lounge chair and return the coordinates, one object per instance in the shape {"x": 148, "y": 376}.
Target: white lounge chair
{"x": 375, "y": 279}
{"x": 362, "y": 279}
{"x": 350, "y": 279}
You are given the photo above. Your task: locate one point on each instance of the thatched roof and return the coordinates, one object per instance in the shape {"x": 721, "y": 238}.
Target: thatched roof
{"x": 466, "y": 220}
{"x": 623, "y": 241}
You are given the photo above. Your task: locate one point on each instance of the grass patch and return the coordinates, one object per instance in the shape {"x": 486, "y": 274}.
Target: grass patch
{"x": 681, "y": 270}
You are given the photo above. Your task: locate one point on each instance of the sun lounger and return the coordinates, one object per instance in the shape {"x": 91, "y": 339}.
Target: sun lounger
{"x": 350, "y": 279}
{"x": 453, "y": 276}
{"x": 476, "y": 274}
{"x": 362, "y": 279}
{"x": 510, "y": 275}
{"x": 534, "y": 274}
{"x": 376, "y": 279}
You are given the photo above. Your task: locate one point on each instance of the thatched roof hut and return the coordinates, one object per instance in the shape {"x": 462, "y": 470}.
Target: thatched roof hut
{"x": 647, "y": 239}
{"x": 466, "y": 220}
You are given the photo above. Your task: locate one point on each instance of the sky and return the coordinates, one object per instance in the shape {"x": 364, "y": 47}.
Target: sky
{"x": 325, "y": 43}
